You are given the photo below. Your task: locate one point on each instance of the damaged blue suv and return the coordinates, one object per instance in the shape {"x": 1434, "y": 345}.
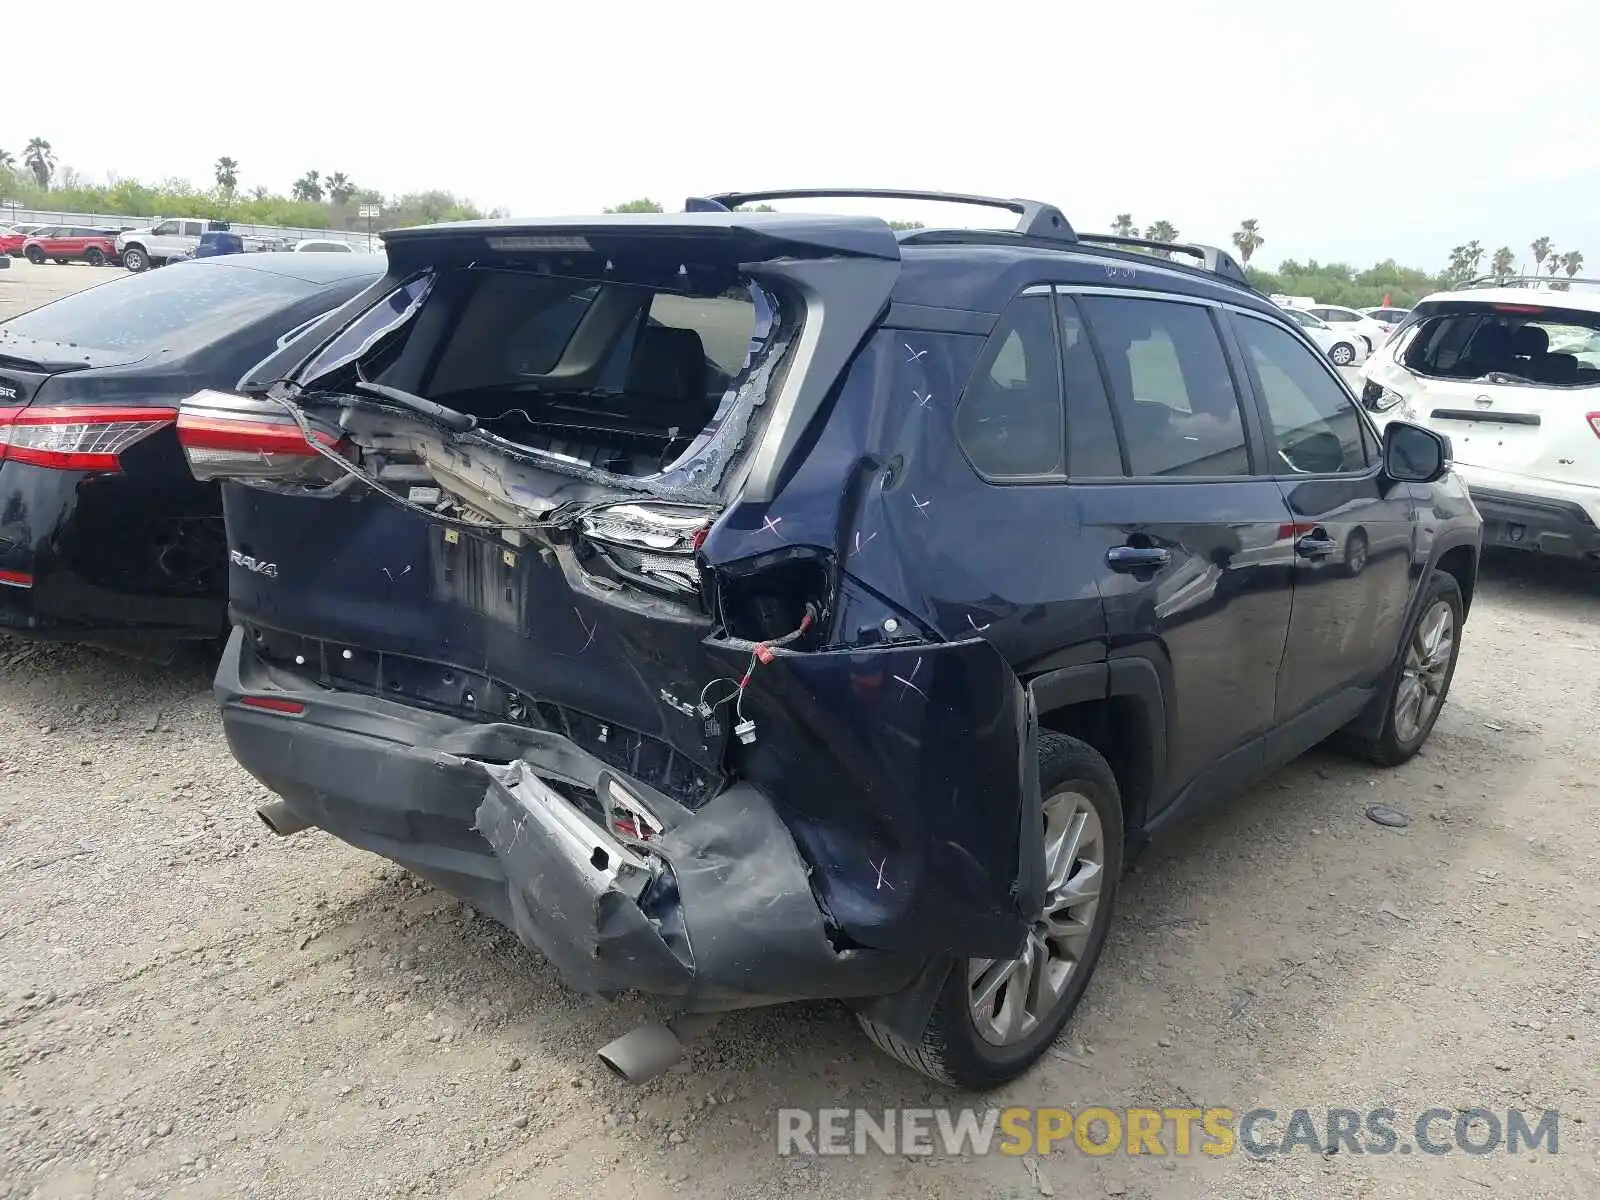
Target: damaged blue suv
{"x": 745, "y": 607}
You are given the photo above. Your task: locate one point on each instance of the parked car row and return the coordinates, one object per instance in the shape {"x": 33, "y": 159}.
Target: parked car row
{"x": 152, "y": 246}
{"x": 745, "y": 607}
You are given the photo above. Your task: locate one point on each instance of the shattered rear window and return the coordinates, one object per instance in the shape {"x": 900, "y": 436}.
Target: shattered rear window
{"x": 1551, "y": 347}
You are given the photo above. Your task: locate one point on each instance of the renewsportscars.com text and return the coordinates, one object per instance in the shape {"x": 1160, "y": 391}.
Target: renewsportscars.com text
{"x": 1179, "y": 1132}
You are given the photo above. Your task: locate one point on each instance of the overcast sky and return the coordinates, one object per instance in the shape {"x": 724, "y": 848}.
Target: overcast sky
{"x": 1350, "y": 130}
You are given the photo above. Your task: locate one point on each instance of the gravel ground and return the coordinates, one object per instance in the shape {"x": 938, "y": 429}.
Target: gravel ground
{"x": 191, "y": 1007}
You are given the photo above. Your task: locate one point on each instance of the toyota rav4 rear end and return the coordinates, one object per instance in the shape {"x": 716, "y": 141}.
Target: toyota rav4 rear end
{"x": 541, "y": 583}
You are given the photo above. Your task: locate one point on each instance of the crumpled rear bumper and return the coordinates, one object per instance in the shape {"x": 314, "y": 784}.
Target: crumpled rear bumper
{"x": 496, "y": 813}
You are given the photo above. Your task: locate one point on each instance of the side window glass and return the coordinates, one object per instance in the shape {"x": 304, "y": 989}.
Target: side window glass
{"x": 192, "y": 228}
{"x": 1009, "y": 419}
{"x": 165, "y": 229}
{"x": 1092, "y": 448}
{"x": 1316, "y": 429}
{"x": 1170, "y": 382}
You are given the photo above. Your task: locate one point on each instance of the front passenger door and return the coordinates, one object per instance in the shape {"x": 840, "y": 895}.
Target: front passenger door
{"x": 1352, "y": 526}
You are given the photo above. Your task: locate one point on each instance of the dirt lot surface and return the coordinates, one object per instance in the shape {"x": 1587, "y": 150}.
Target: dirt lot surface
{"x": 192, "y": 1007}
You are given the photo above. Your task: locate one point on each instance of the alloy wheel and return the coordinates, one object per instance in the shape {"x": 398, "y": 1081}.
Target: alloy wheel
{"x": 1424, "y": 672}
{"x": 1010, "y": 998}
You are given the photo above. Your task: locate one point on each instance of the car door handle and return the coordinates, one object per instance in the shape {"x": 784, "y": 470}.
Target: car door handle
{"x": 1137, "y": 558}
{"x": 1315, "y": 545}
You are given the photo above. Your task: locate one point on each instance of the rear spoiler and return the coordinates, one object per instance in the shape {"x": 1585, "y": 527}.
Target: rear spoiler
{"x": 744, "y": 237}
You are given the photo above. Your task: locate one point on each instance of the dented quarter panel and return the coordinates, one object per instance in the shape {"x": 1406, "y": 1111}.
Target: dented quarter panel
{"x": 916, "y": 523}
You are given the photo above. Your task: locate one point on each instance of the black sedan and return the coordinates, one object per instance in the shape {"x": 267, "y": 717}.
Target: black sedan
{"x": 105, "y": 536}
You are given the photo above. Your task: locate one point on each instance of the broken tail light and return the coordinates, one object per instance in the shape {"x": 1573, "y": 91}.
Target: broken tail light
{"x": 76, "y": 437}
{"x": 651, "y": 545}
{"x": 236, "y": 437}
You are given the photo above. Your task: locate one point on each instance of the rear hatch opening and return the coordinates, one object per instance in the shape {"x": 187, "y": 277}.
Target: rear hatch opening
{"x": 1514, "y": 383}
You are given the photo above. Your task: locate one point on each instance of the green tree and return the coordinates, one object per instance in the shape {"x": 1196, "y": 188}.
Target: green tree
{"x": 8, "y": 161}
{"x": 308, "y": 187}
{"x": 1472, "y": 257}
{"x": 643, "y": 205}
{"x": 41, "y": 160}
{"x": 227, "y": 172}
{"x": 1572, "y": 262}
{"x": 1123, "y": 226}
{"x": 340, "y": 189}
{"x": 1503, "y": 263}
{"x": 1247, "y": 239}
{"x": 1541, "y": 250}
{"x": 1162, "y": 231}
{"x": 1552, "y": 262}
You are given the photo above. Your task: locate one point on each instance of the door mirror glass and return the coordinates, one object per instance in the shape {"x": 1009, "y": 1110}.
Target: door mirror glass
{"x": 1412, "y": 454}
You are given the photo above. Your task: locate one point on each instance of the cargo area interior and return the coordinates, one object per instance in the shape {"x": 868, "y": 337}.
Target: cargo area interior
{"x": 620, "y": 373}
{"x": 1551, "y": 347}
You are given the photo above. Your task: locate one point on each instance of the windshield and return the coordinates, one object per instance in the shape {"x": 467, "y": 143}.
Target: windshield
{"x": 1550, "y": 347}
{"x": 173, "y": 310}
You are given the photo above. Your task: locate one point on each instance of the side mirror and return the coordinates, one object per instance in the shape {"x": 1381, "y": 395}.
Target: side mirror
{"x": 1412, "y": 454}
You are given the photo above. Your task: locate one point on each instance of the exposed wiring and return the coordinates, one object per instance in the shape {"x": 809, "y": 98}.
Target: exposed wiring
{"x": 355, "y": 472}
{"x": 760, "y": 656}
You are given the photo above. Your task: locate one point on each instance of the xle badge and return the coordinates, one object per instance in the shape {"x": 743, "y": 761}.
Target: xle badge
{"x": 269, "y": 569}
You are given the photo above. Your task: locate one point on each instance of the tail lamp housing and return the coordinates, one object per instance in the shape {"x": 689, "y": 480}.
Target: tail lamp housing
{"x": 77, "y": 437}
{"x": 237, "y": 437}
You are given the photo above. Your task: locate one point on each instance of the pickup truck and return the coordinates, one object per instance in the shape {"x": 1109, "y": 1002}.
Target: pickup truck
{"x": 142, "y": 249}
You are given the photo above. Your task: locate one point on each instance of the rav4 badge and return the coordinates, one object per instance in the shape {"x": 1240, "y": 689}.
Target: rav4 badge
{"x": 269, "y": 569}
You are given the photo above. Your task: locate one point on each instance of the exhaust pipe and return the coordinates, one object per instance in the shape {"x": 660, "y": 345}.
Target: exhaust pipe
{"x": 643, "y": 1053}
{"x": 278, "y": 817}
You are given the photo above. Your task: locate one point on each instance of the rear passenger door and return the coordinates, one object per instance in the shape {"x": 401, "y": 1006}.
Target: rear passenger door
{"x": 1194, "y": 572}
{"x": 1352, "y": 527}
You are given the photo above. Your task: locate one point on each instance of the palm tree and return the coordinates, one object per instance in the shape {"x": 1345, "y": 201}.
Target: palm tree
{"x": 1471, "y": 256}
{"x": 1123, "y": 226}
{"x": 340, "y": 189}
{"x": 227, "y": 174}
{"x": 1162, "y": 231}
{"x": 8, "y": 161}
{"x": 308, "y": 187}
{"x": 39, "y": 159}
{"x": 1502, "y": 262}
{"x": 1553, "y": 263}
{"x": 1540, "y": 248}
{"x": 1247, "y": 239}
{"x": 259, "y": 192}
{"x": 1572, "y": 262}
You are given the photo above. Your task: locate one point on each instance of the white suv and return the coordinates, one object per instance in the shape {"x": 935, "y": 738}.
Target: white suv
{"x": 1512, "y": 375}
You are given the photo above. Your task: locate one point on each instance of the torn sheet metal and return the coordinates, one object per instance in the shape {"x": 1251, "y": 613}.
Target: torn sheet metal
{"x": 717, "y": 912}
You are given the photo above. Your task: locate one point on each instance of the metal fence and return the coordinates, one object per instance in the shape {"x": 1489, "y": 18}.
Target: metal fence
{"x": 35, "y": 216}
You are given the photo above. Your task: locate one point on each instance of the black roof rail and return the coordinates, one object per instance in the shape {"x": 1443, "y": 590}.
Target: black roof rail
{"x": 1034, "y": 218}
{"x": 1212, "y": 258}
{"x": 1555, "y": 283}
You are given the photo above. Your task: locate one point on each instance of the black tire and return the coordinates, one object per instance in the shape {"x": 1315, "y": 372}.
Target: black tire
{"x": 950, "y": 1048}
{"x": 1356, "y": 549}
{"x": 1388, "y": 748}
{"x": 34, "y": 255}
{"x": 136, "y": 259}
{"x": 94, "y": 257}
{"x": 1342, "y": 354}
{"x": 60, "y": 262}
